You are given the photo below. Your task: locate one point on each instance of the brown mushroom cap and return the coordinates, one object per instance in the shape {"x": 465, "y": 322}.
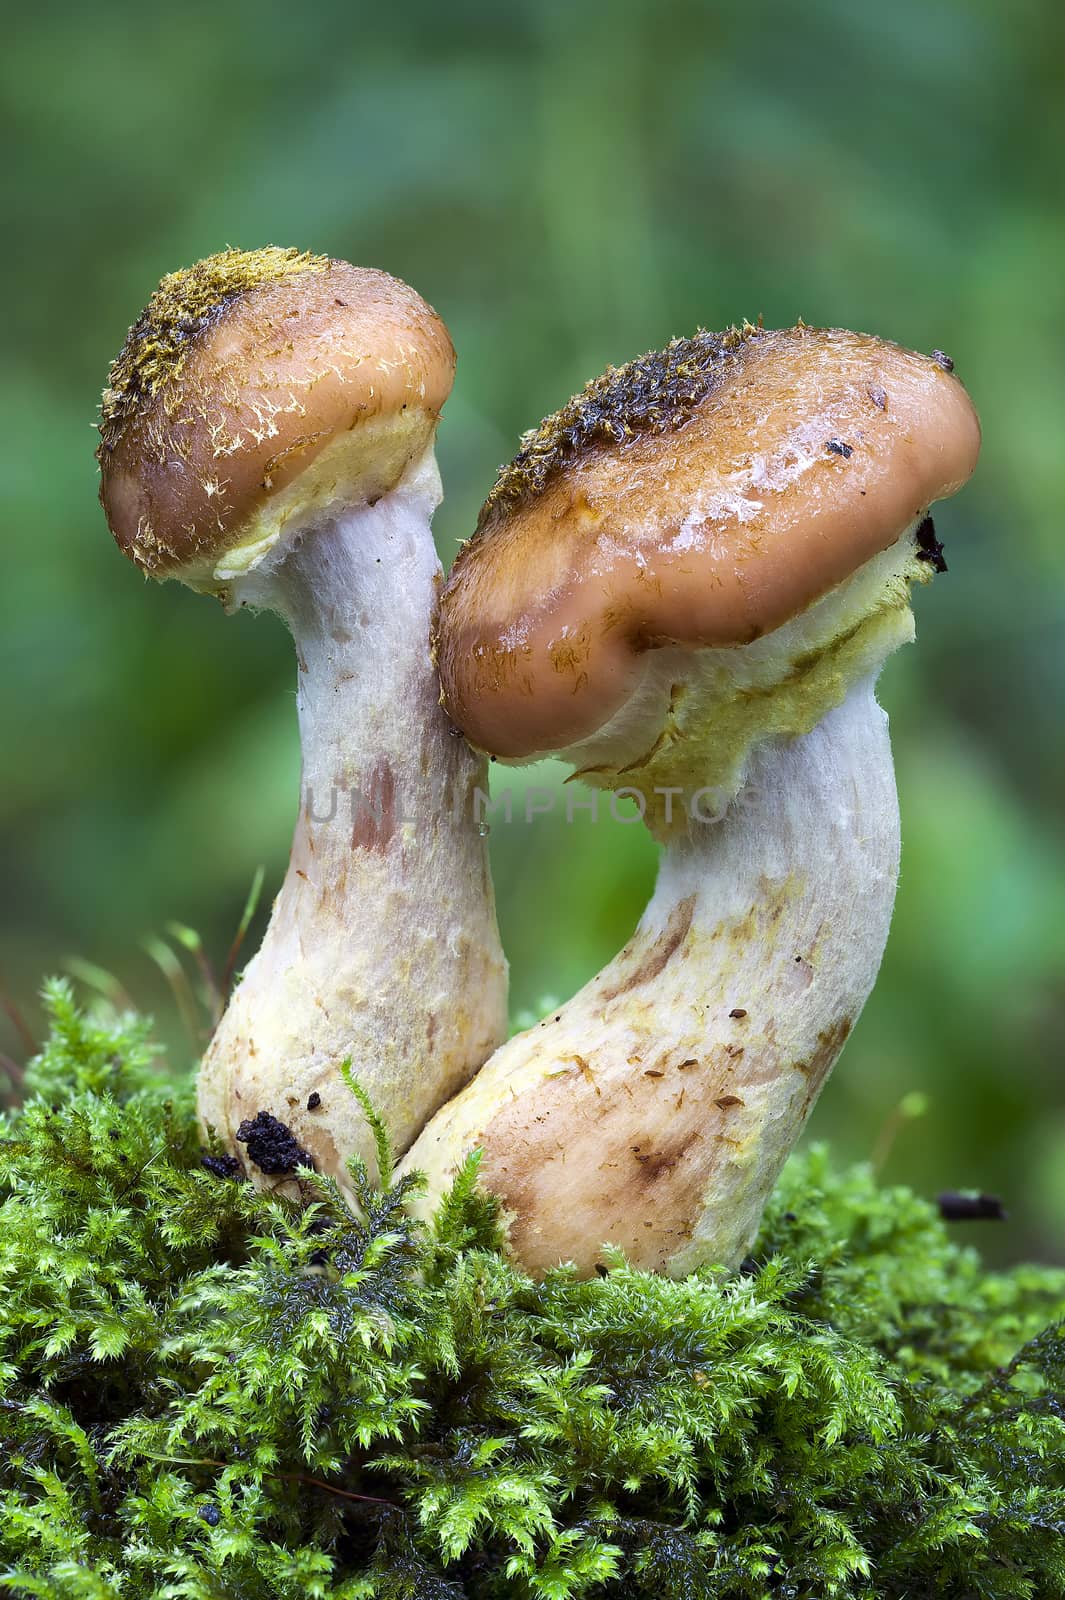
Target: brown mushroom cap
{"x": 240, "y": 372}
{"x": 701, "y": 496}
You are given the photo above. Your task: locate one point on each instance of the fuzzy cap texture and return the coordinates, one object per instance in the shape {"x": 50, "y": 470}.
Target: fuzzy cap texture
{"x": 700, "y": 496}
{"x": 234, "y": 379}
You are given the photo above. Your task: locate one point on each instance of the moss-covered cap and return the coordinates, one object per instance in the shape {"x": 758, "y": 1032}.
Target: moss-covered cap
{"x": 699, "y": 496}
{"x": 235, "y": 379}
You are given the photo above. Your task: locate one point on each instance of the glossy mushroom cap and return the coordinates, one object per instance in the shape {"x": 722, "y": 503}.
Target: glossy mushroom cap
{"x": 256, "y": 387}
{"x": 700, "y": 497}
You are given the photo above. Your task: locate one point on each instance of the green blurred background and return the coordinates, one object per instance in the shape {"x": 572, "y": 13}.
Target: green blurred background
{"x": 569, "y": 184}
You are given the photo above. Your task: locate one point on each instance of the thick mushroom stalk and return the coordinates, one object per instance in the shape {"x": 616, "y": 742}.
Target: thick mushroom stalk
{"x": 654, "y": 1111}
{"x": 382, "y": 946}
{"x": 685, "y": 586}
{"x": 267, "y": 437}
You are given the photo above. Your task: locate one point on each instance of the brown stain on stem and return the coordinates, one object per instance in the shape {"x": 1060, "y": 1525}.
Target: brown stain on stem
{"x": 604, "y": 1155}
{"x": 641, "y": 965}
{"x": 373, "y": 824}
{"x": 816, "y": 1068}
{"x": 599, "y": 1163}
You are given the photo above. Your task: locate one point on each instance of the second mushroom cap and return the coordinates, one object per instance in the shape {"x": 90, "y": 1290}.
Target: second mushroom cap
{"x": 700, "y": 496}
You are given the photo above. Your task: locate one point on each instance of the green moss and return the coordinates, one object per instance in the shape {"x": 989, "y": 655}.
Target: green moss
{"x": 654, "y": 393}
{"x": 185, "y": 303}
{"x": 206, "y": 1392}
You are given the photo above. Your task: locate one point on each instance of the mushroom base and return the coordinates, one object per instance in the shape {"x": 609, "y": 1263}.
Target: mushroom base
{"x": 655, "y": 1110}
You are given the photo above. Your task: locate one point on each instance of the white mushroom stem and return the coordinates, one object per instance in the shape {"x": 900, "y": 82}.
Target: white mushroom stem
{"x": 655, "y": 1110}
{"x": 382, "y": 946}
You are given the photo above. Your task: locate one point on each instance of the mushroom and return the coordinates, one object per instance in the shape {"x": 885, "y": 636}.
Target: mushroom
{"x": 685, "y": 585}
{"x": 267, "y": 437}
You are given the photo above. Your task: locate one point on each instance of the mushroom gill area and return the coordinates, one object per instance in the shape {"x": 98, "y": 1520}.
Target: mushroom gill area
{"x": 695, "y": 715}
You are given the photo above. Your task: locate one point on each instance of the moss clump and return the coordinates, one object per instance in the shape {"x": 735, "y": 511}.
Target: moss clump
{"x": 185, "y": 302}
{"x": 205, "y": 1392}
{"x": 651, "y": 394}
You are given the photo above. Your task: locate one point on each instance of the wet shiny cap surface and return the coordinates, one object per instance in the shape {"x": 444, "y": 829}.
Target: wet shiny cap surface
{"x": 700, "y": 496}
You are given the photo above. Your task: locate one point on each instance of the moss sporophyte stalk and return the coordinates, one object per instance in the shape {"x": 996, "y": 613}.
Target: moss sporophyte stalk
{"x": 208, "y": 1390}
